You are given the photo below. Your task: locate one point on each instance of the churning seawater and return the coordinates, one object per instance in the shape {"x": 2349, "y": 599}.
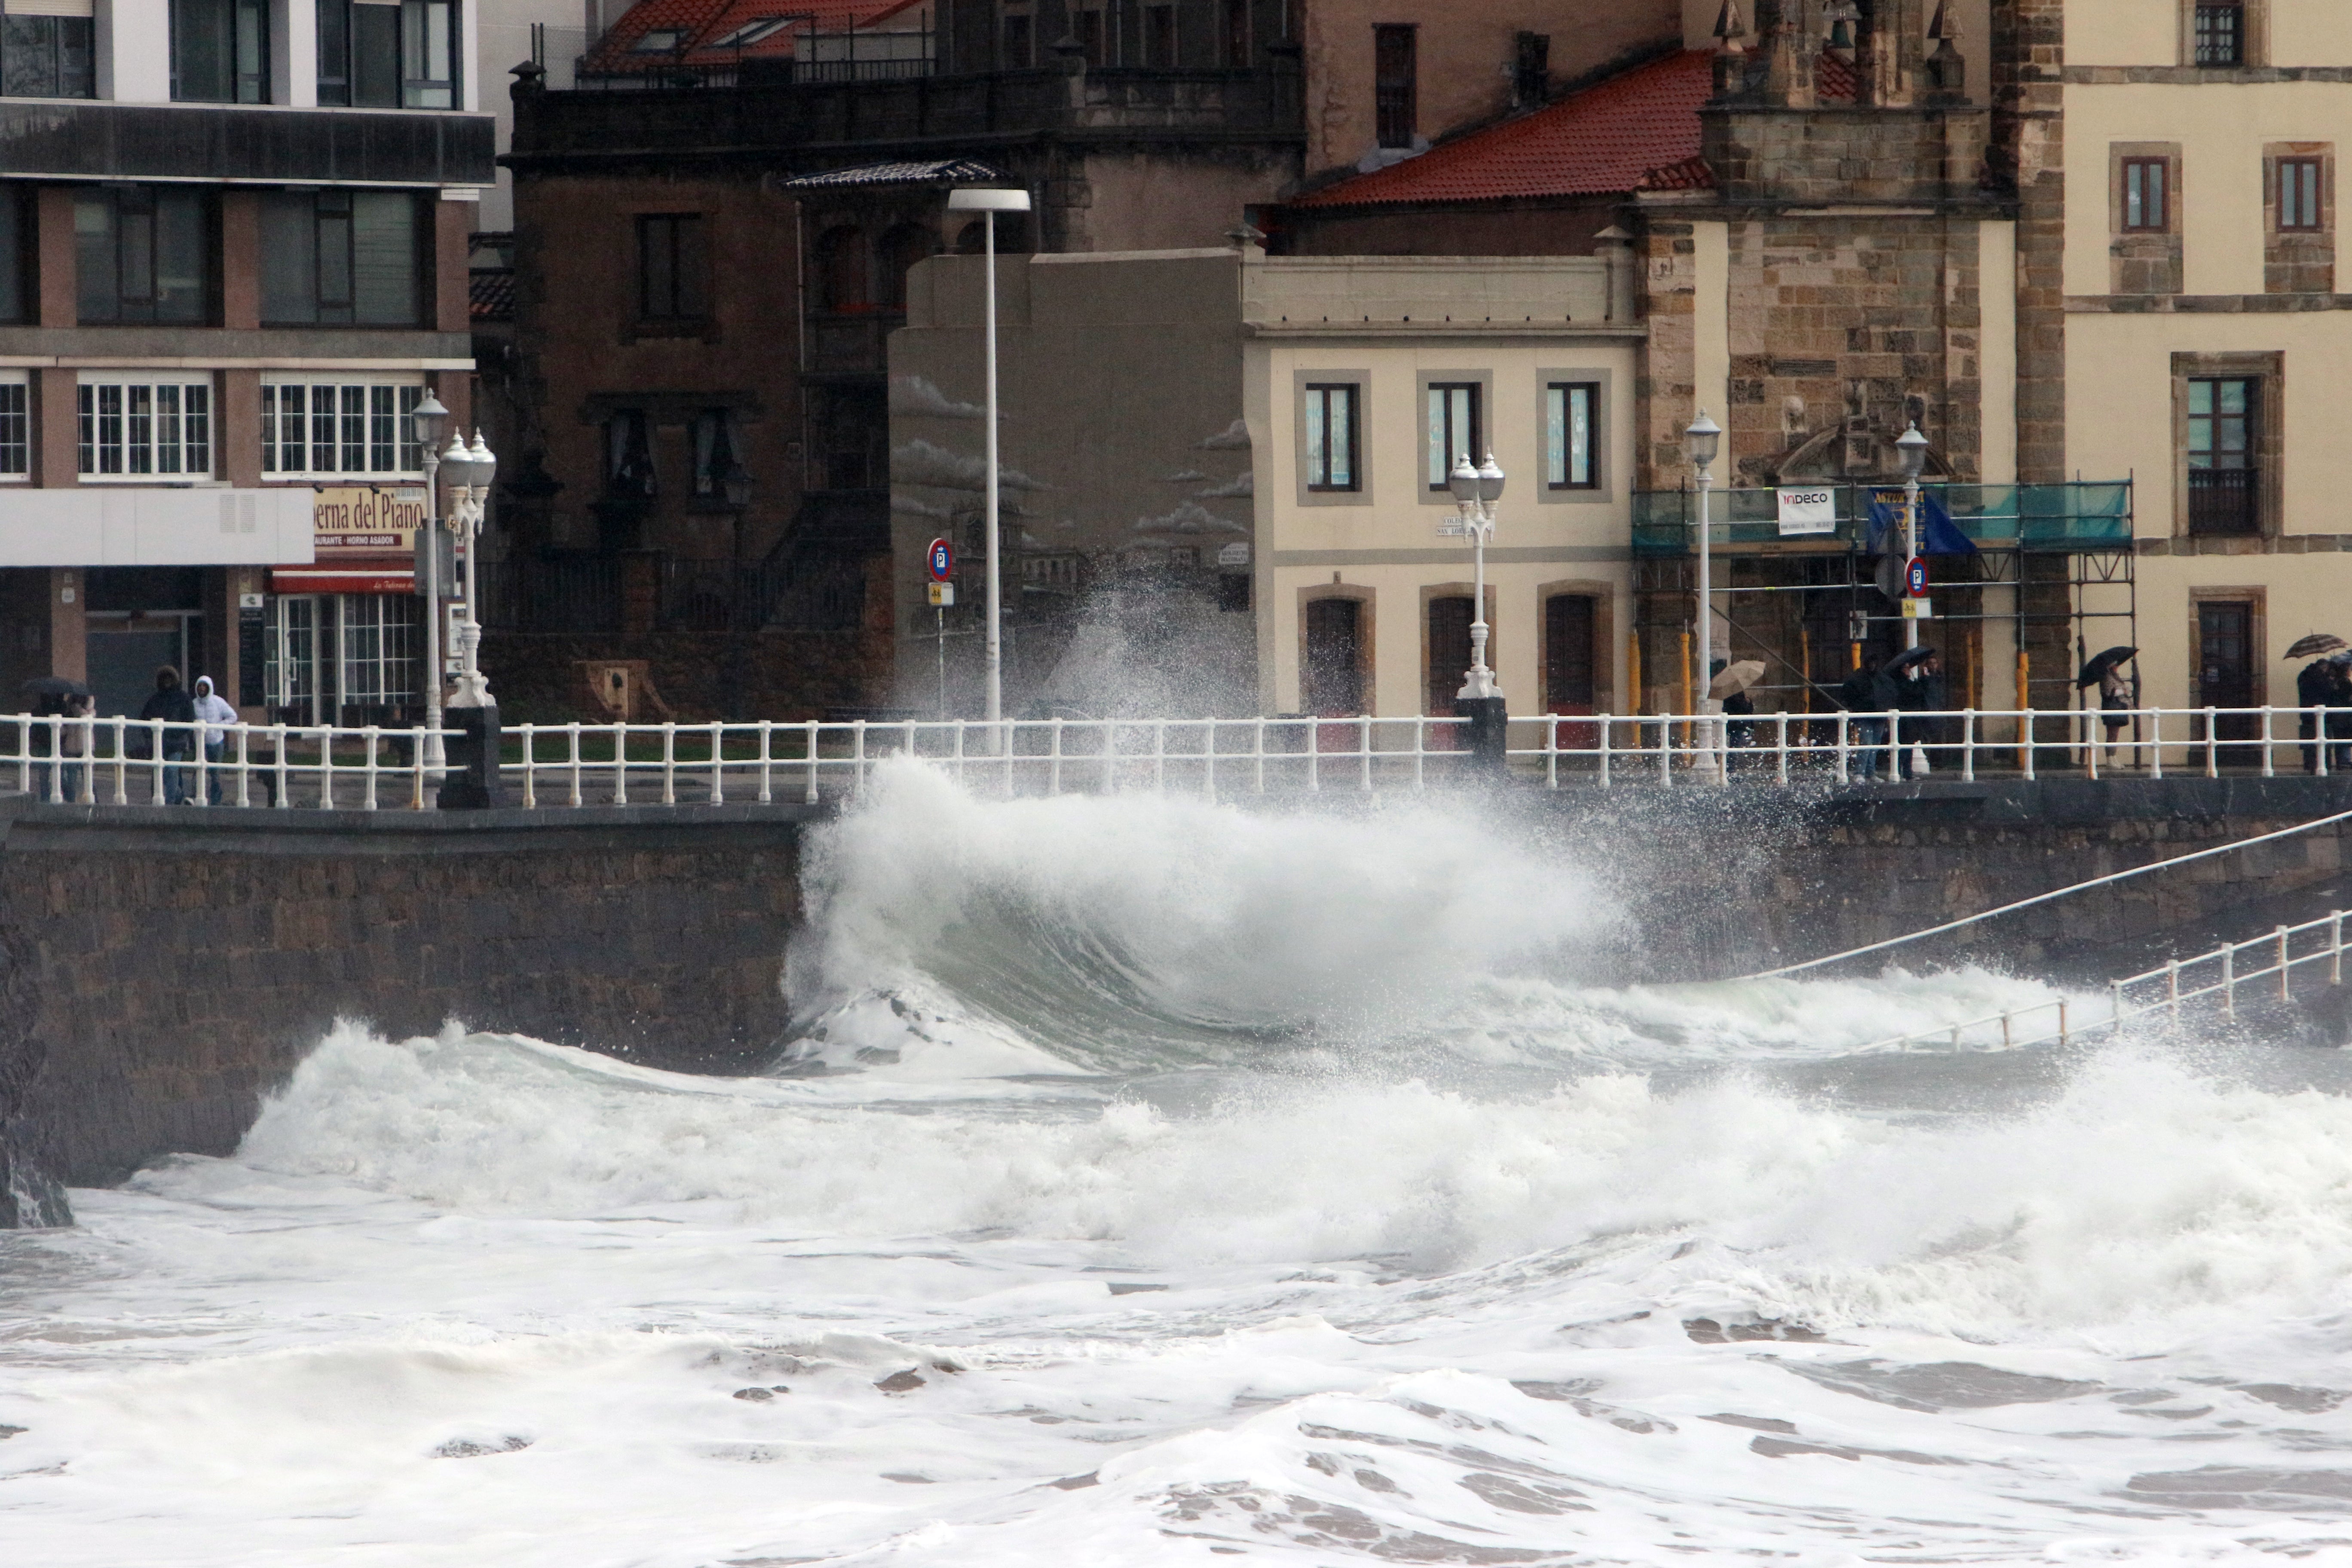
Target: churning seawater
{"x": 1157, "y": 1183}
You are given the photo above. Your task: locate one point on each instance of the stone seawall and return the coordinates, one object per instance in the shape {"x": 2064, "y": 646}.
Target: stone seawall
{"x": 163, "y": 971}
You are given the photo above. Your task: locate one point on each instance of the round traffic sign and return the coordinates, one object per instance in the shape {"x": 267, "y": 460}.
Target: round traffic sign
{"x": 1915, "y": 576}
{"x": 942, "y": 560}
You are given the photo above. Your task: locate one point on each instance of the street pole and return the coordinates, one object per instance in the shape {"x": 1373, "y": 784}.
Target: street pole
{"x": 1706, "y": 438}
{"x": 1911, "y": 452}
{"x": 428, "y": 416}
{"x": 1480, "y": 701}
{"x": 472, "y": 498}
{"x": 988, "y": 204}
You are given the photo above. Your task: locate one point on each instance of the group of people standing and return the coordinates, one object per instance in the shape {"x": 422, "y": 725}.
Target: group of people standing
{"x": 1910, "y": 683}
{"x": 190, "y": 720}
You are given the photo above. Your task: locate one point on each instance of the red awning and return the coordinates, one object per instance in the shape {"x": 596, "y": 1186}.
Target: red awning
{"x": 343, "y": 579}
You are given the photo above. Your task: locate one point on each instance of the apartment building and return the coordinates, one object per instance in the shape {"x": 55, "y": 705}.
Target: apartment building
{"x": 232, "y": 258}
{"x": 2182, "y": 314}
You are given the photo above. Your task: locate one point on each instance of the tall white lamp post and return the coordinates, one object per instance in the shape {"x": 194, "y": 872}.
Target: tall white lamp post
{"x": 1705, "y": 438}
{"x": 1476, "y": 490}
{"x": 470, "y": 470}
{"x": 1480, "y": 701}
{"x": 429, "y": 417}
{"x": 1911, "y": 451}
{"x": 988, "y": 204}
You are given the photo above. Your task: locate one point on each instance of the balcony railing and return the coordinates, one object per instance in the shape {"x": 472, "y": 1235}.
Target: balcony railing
{"x": 2084, "y": 515}
{"x": 2224, "y": 501}
{"x": 803, "y": 592}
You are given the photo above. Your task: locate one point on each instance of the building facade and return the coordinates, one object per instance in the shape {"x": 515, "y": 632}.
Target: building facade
{"x": 232, "y": 257}
{"x": 2180, "y": 239}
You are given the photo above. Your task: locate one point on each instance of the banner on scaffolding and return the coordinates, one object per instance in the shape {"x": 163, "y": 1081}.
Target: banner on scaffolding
{"x": 1808, "y": 509}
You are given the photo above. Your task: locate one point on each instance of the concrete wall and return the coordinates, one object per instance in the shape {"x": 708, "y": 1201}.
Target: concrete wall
{"x": 167, "y": 972}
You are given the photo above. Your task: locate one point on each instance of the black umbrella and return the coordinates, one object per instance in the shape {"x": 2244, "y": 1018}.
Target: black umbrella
{"x": 1905, "y": 659}
{"x": 2096, "y": 670}
{"x": 53, "y": 686}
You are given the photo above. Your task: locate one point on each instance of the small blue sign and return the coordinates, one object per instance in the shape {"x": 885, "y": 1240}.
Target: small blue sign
{"x": 942, "y": 560}
{"x": 1915, "y": 577}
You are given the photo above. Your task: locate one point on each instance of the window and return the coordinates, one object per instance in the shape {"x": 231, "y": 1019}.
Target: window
{"x": 844, "y": 286}
{"x": 16, "y": 255}
{"x": 628, "y": 455}
{"x": 2221, "y": 35}
{"x": 1092, "y": 37}
{"x": 2223, "y": 497}
{"x": 1237, "y": 34}
{"x": 220, "y": 51}
{"x": 380, "y": 642}
{"x": 387, "y": 54}
{"x": 1331, "y": 437}
{"x": 1016, "y": 41}
{"x": 1568, "y": 408}
{"x": 134, "y": 427}
{"x": 142, "y": 254}
{"x": 319, "y": 429}
{"x": 333, "y": 256}
{"x": 715, "y": 463}
{"x": 742, "y": 38}
{"x": 46, "y": 57}
{"x": 672, "y": 267}
{"x": 658, "y": 41}
{"x": 2298, "y": 193}
{"x": 16, "y": 427}
{"x": 1531, "y": 68}
{"x": 1453, "y": 429}
{"x": 1396, "y": 84}
{"x": 2147, "y": 208}
{"x": 1160, "y": 35}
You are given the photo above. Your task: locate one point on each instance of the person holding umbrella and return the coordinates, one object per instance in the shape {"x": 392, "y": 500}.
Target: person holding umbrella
{"x": 2316, "y": 687}
{"x": 55, "y": 695}
{"x": 1912, "y": 683}
{"x": 1729, "y": 683}
{"x": 2117, "y": 691}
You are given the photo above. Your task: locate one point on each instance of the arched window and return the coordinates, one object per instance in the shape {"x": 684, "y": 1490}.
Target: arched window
{"x": 844, "y": 278}
{"x": 902, "y": 248}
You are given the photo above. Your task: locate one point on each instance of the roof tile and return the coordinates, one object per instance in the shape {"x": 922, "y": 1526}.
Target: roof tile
{"x": 1613, "y": 136}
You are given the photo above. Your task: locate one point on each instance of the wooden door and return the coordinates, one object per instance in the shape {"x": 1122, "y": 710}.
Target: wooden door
{"x": 1333, "y": 684}
{"x": 1571, "y": 663}
{"x": 2225, "y": 675}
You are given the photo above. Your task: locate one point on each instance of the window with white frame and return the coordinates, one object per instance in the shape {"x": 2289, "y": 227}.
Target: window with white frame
{"x": 380, "y": 640}
{"x": 323, "y": 429}
{"x": 1568, "y": 408}
{"x": 134, "y": 426}
{"x": 16, "y": 427}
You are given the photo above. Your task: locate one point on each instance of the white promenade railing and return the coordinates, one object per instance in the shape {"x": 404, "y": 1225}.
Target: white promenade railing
{"x": 132, "y": 762}
{"x": 2265, "y": 966}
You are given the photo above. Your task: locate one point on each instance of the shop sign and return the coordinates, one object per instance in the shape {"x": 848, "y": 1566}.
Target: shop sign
{"x": 366, "y": 517}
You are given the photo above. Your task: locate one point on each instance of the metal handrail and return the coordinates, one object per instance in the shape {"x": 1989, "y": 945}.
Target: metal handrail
{"x": 768, "y": 760}
{"x": 2277, "y": 946}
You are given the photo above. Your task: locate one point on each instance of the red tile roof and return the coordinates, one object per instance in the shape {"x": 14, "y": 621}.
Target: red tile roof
{"x": 1637, "y": 130}
{"x": 703, "y": 23}
{"x": 1835, "y": 81}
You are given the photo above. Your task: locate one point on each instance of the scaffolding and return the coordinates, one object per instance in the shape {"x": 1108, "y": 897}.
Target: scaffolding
{"x": 2052, "y": 580}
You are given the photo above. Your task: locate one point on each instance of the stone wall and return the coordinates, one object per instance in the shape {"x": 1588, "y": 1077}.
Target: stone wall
{"x": 163, "y": 972}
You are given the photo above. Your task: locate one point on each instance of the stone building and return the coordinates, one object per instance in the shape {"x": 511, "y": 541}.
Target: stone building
{"x": 232, "y": 258}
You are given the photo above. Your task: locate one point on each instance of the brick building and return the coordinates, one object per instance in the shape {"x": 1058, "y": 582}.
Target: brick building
{"x": 232, "y": 257}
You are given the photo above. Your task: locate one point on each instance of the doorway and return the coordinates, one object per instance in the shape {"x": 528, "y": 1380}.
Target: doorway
{"x": 1571, "y": 663}
{"x": 123, "y": 661}
{"x": 2226, "y": 673}
{"x": 1333, "y": 683}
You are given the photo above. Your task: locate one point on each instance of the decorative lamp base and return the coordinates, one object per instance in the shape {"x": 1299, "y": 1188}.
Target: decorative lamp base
{"x": 472, "y": 782}
{"x": 1489, "y": 719}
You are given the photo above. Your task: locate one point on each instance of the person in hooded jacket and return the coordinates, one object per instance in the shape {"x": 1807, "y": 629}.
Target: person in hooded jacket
{"x": 171, "y": 703}
{"x": 211, "y": 710}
